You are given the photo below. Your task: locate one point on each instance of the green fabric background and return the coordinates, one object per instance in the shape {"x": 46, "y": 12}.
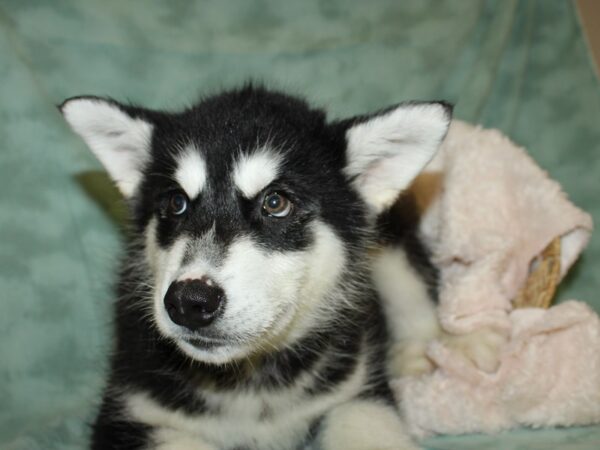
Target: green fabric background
{"x": 520, "y": 66}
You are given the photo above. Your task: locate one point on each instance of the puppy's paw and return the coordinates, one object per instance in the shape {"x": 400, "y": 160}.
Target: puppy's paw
{"x": 482, "y": 347}
{"x": 409, "y": 359}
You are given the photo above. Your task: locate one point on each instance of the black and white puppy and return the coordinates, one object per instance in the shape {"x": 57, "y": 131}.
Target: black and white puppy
{"x": 247, "y": 315}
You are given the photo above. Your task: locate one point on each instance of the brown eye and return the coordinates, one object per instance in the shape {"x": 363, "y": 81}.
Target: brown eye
{"x": 276, "y": 205}
{"x": 178, "y": 204}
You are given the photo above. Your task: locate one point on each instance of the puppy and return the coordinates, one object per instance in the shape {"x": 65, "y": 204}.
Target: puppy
{"x": 247, "y": 314}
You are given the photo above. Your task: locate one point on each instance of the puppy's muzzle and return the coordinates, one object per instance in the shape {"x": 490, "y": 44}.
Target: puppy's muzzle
{"x": 194, "y": 304}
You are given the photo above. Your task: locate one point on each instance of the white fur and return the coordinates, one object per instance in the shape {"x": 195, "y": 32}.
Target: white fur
{"x": 271, "y": 296}
{"x": 191, "y": 171}
{"x": 240, "y": 420}
{"x": 169, "y": 439}
{"x": 119, "y": 141}
{"x": 261, "y": 289}
{"x": 406, "y": 300}
{"x": 409, "y": 310}
{"x": 324, "y": 264}
{"x": 254, "y": 172}
{"x": 364, "y": 425}
{"x": 387, "y": 152}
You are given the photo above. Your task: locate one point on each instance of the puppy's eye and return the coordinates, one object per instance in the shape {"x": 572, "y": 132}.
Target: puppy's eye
{"x": 276, "y": 205}
{"x": 178, "y": 204}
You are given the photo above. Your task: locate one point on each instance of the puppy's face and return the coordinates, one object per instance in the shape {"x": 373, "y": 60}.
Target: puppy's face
{"x": 251, "y": 206}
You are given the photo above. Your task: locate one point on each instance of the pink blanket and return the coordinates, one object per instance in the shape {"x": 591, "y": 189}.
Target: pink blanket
{"x": 488, "y": 212}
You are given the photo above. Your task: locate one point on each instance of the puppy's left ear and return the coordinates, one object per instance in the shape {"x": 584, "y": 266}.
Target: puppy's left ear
{"x": 386, "y": 151}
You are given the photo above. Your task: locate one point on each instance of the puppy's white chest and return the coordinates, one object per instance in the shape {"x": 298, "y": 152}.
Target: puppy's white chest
{"x": 250, "y": 421}
{"x": 266, "y": 420}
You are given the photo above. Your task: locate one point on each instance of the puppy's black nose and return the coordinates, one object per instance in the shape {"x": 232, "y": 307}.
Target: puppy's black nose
{"x": 194, "y": 303}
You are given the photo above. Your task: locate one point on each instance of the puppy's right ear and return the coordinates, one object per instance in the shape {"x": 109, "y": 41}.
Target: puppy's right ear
{"x": 118, "y": 135}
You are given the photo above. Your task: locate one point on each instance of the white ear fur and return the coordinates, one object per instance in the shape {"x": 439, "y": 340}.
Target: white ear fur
{"x": 119, "y": 141}
{"x": 386, "y": 152}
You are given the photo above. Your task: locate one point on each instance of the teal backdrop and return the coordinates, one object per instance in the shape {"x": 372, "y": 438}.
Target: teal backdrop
{"x": 520, "y": 66}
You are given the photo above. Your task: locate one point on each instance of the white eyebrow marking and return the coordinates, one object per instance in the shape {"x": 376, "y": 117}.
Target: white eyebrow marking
{"x": 254, "y": 172}
{"x": 191, "y": 171}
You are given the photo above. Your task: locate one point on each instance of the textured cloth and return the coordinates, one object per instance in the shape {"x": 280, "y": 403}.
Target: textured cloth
{"x": 549, "y": 376}
{"x": 488, "y": 212}
{"x": 494, "y": 215}
{"x": 517, "y": 65}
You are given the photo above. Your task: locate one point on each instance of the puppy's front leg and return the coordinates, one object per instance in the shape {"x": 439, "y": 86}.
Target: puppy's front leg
{"x": 364, "y": 425}
{"x": 409, "y": 310}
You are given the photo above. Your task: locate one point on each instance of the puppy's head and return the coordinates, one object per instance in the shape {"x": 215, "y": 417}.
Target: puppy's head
{"x": 251, "y": 206}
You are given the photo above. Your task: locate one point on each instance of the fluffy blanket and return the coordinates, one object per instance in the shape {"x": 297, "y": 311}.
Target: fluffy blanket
{"x": 488, "y": 213}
